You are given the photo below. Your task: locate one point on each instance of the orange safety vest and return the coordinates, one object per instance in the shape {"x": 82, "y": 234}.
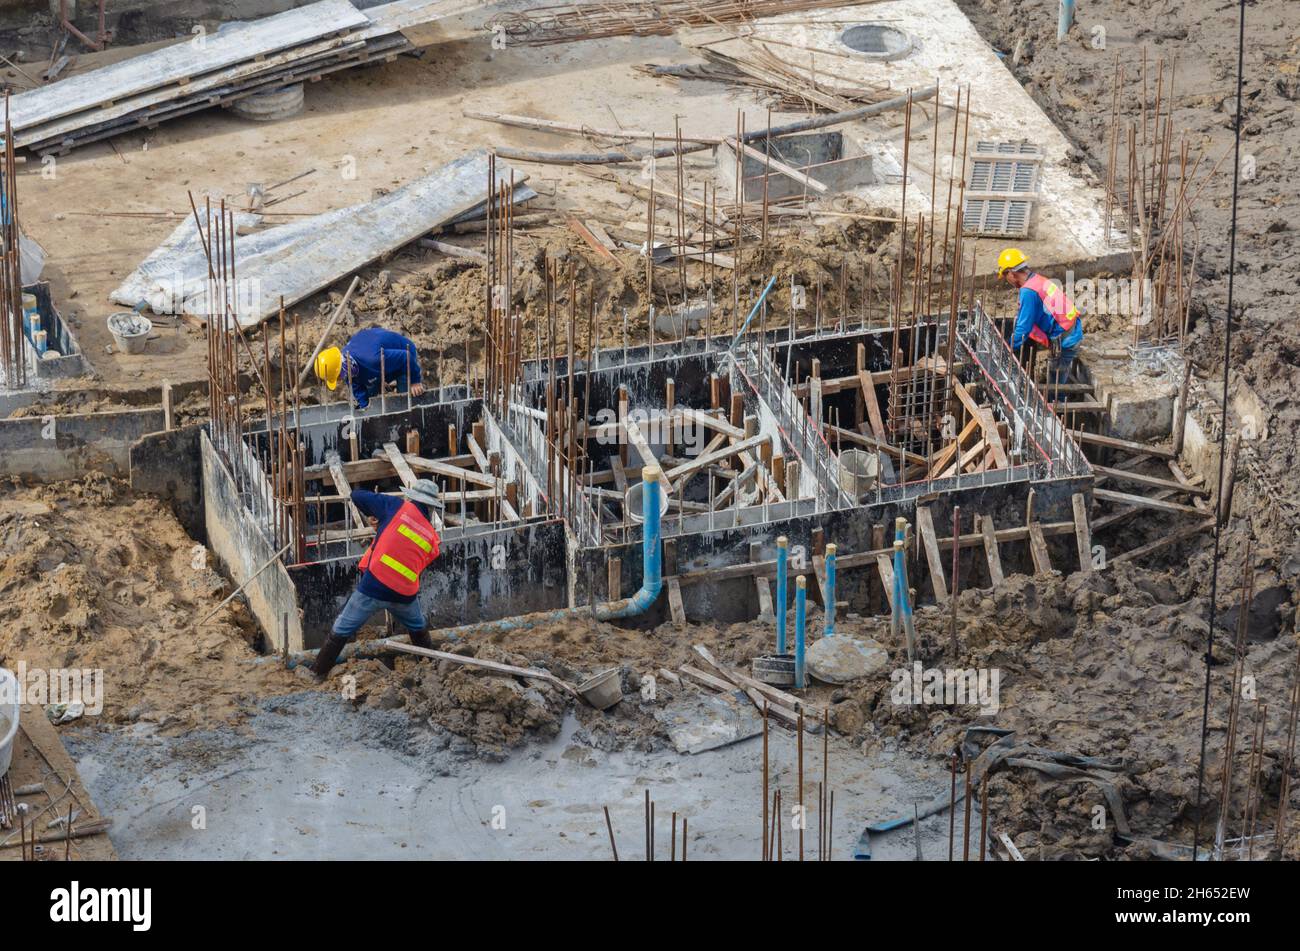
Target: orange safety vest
{"x": 407, "y": 545}
{"x": 1055, "y": 303}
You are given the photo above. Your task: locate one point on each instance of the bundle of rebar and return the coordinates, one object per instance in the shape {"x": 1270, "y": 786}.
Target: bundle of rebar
{"x": 269, "y": 477}
{"x": 1144, "y": 200}
{"x": 571, "y": 22}
{"x": 13, "y": 355}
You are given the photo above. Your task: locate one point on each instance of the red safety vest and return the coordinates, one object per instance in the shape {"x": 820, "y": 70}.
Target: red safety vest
{"x": 1055, "y": 303}
{"x": 407, "y": 545}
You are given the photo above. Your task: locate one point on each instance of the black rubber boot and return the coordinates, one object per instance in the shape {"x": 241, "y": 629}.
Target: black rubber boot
{"x": 422, "y": 639}
{"x": 326, "y": 656}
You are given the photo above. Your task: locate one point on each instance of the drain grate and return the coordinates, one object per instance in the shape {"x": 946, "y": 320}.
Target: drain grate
{"x": 1002, "y": 188}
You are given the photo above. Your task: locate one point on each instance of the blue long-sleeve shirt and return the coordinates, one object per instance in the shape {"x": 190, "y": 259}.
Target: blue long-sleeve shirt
{"x": 1033, "y": 314}
{"x": 382, "y": 507}
{"x": 363, "y": 353}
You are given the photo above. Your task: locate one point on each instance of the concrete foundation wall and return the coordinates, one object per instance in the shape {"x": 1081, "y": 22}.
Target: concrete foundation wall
{"x": 735, "y": 599}
{"x": 51, "y": 448}
{"x": 241, "y": 549}
{"x": 479, "y": 578}
{"x": 168, "y": 465}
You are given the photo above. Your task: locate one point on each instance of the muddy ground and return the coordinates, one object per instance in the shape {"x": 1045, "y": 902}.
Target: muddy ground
{"x": 1072, "y": 84}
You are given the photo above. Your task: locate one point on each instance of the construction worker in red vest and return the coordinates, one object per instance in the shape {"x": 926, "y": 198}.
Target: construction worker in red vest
{"x": 1046, "y": 316}
{"x": 406, "y": 542}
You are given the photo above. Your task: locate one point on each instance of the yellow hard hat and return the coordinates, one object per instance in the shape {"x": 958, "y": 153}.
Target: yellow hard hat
{"x": 1009, "y": 260}
{"x": 329, "y": 364}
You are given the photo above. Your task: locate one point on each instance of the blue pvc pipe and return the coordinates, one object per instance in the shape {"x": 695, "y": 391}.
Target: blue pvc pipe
{"x": 782, "y": 551}
{"x": 800, "y": 617}
{"x": 652, "y": 579}
{"x": 757, "y": 304}
{"x": 651, "y": 584}
{"x": 1065, "y": 19}
{"x": 829, "y": 593}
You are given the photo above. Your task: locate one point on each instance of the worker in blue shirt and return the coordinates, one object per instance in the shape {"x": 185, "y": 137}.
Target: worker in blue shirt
{"x": 1046, "y": 316}
{"x": 359, "y": 362}
{"x": 406, "y": 542}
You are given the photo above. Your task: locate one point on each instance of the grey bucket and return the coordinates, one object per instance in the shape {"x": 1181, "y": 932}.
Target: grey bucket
{"x": 130, "y": 331}
{"x": 858, "y": 471}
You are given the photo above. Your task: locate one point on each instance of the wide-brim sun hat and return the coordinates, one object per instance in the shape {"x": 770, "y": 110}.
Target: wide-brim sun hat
{"x": 424, "y": 491}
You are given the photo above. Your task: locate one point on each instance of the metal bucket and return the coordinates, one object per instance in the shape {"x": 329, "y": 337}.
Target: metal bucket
{"x": 632, "y": 503}
{"x": 604, "y": 690}
{"x": 858, "y": 471}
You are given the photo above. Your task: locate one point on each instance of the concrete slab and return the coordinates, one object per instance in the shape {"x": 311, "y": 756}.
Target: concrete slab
{"x": 1141, "y": 397}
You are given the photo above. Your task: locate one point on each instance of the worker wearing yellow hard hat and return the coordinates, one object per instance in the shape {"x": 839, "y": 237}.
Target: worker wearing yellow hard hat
{"x": 1046, "y": 316}
{"x": 371, "y": 359}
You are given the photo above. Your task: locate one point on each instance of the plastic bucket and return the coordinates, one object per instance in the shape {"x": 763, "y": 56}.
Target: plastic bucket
{"x": 130, "y": 330}
{"x": 858, "y": 471}
{"x": 8, "y": 717}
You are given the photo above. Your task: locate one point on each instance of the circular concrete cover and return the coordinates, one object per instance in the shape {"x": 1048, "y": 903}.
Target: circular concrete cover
{"x": 877, "y": 41}
{"x": 840, "y": 659}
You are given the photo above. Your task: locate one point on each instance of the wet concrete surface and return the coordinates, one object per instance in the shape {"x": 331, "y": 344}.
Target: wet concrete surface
{"x": 310, "y": 777}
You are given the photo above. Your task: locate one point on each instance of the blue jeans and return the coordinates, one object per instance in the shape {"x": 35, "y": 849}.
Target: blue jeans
{"x": 1059, "y": 372}
{"x": 361, "y": 607}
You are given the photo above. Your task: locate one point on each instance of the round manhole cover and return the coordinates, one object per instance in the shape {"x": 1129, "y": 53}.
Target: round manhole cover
{"x": 877, "y": 41}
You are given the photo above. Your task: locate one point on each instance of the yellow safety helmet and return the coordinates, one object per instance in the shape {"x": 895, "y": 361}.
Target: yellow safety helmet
{"x": 1009, "y": 260}
{"x": 329, "y": 364}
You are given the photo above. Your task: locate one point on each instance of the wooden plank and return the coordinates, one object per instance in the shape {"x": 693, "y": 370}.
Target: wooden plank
{"x": 769, "y": 692}
{"x": 877, "y": 421}
{"x": 1038, "y": 549}
{"x": 771, "y": 161}
{"x": 994, "y": 438}
{"x": 925, "y": 523}
{"x": 399, "y": 464}
{"x": 1083, "y": 406}
{"x": 620, "y": 476}
{"x": 1152, "y": 482}
{"x": 945, "y": 456}
{"x": 989, "y": 531}
{"x": 675, "y": 601}
{"x": 614, "y": 571}
{"x": 341, "y": 483}
{"x": 1113, "y": 443}
{"x": 453, "y": 250}
{"x": 712, "y": 422}
{"x": 764, "y": 588}
{"x": 708, "y": 680}
{"x": 593, "y": 242}
{"x": 709, "y": 458}
{"x": 491, "y": 665}
{"x": 40, "y": 760}
{"x": 237, "y": 43}
{"x": 988, "y": 424}
{"x": 1158, "y": 505}
{"x": 886, "y": 568}
{"x": 1164, "y": 541}
{"x": 637, "y": 442}
{"x": 1082, "y": 533}
{"x": 442, "y": 468}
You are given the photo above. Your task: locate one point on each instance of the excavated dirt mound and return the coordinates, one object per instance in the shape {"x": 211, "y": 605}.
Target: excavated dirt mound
{"x": 1108, "y": 665}
{"x": 91, "y": 577}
